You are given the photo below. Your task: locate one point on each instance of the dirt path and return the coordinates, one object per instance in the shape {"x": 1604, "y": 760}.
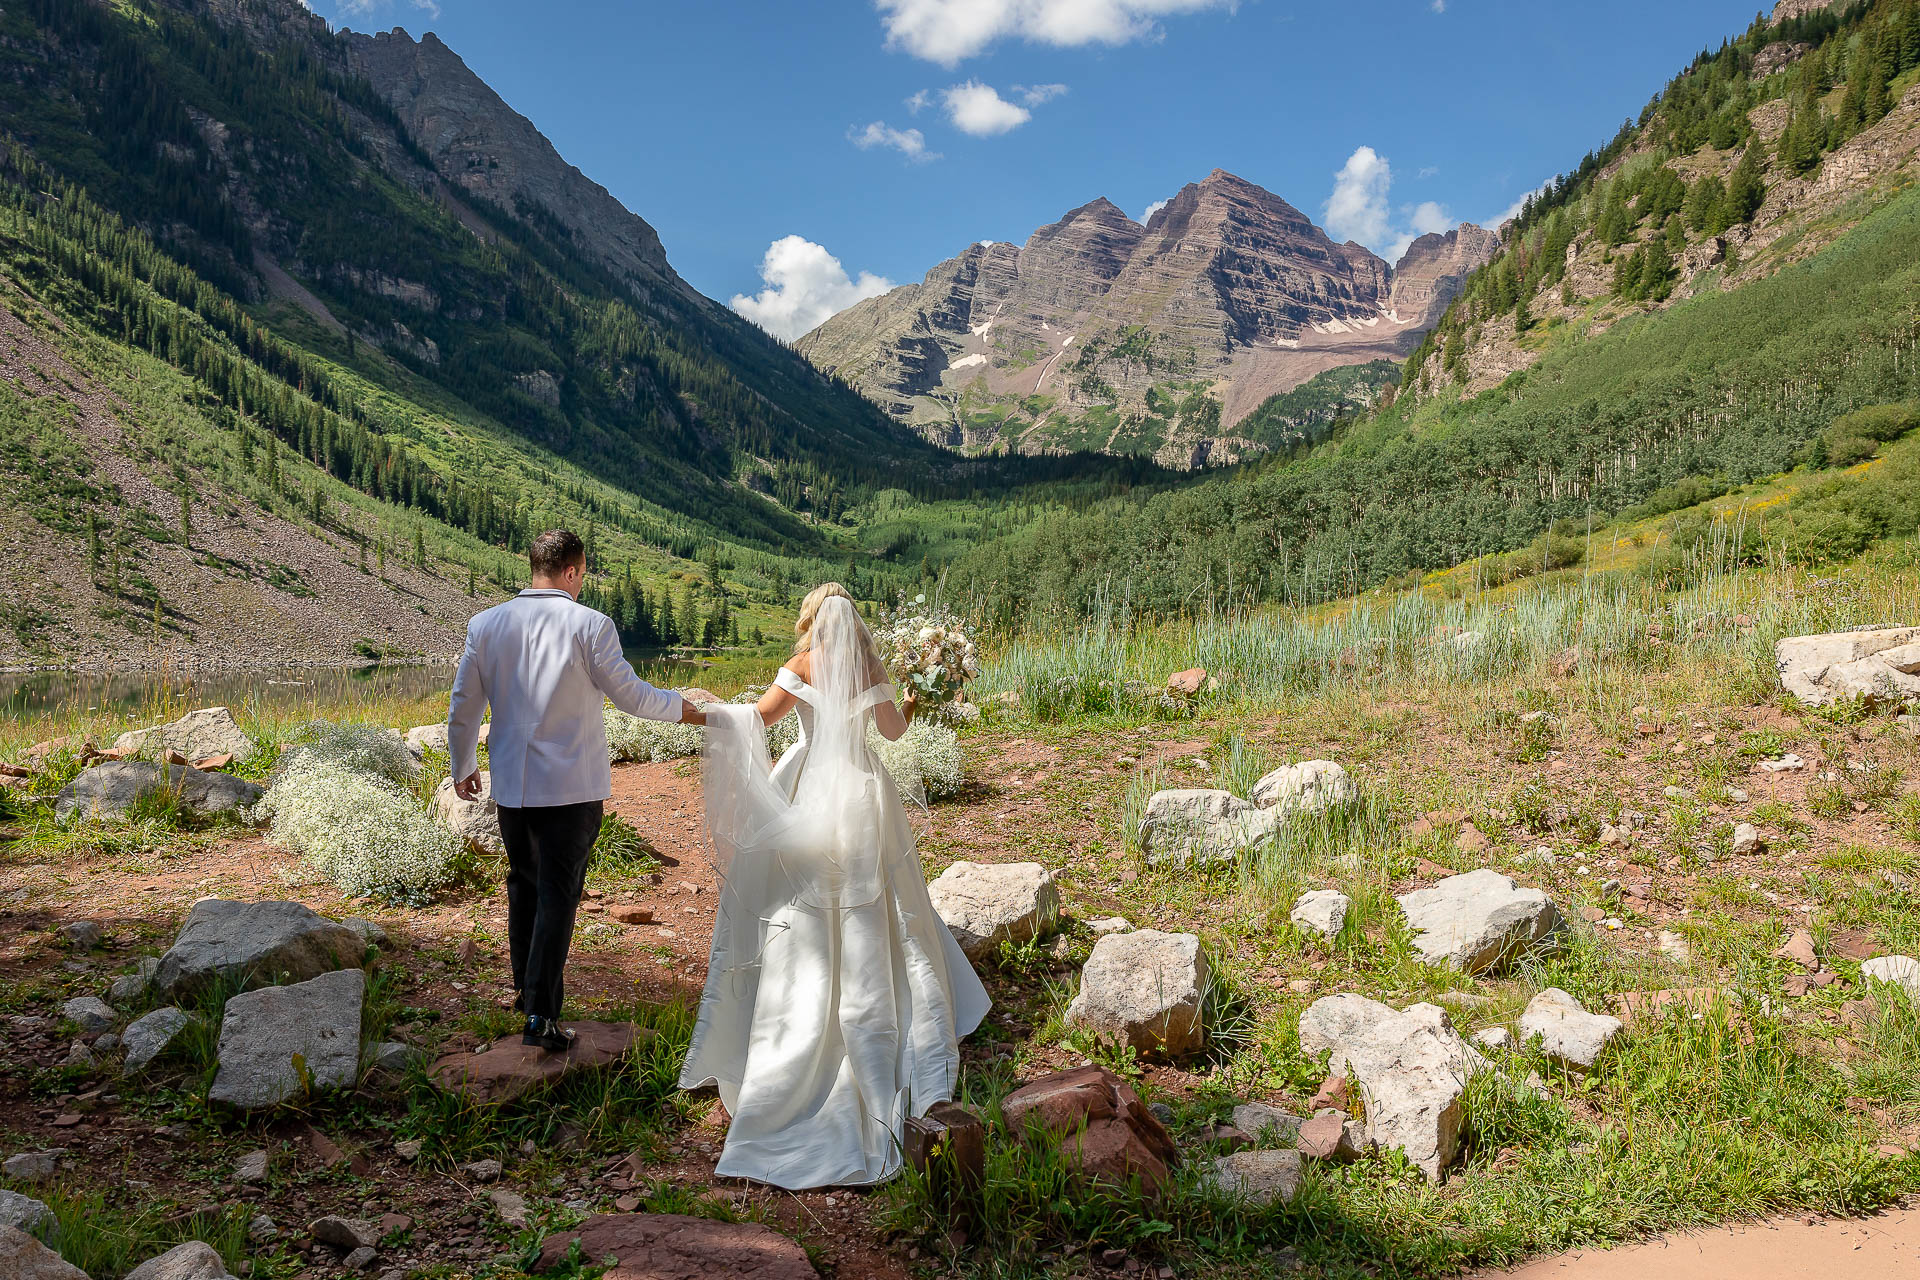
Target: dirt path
{"x": 1883, "y": 1247}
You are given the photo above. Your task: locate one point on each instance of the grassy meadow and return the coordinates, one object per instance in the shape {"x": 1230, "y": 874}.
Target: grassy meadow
{"x": 1634, "y": 690}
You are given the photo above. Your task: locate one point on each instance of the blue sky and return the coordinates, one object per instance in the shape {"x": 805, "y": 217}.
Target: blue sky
{"x": 799, "y": 154}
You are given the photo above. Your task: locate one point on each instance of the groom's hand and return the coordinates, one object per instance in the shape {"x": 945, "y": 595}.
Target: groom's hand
{"x": 468, "y": 788}
{"x": 690, "y": 714}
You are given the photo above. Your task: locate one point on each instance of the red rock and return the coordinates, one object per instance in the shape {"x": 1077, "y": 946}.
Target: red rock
{"x": 1799, "y": 949}
{"x": 208, "y": 763}
{"x": 1332, "y": 1095}
{"x": 1471, "y": 840}
{"x": 1852, "y": 944}
{"x": 672, "y": 1246}
{"x": 67, "y": 1120}
{"x": 1188, "y": 682}
{"x": 1324, "y": 1137}
{"x": 467, "y": 952}
{"x": 1121, "y": 1138}
{"x": 626, "y": 1204}
{"x": 632, "y": 915}
{"x": 950, "y": 1144}
{"x": 171, "y": 756}
{"x": 1426, "y": 870}
{"x": 14, "y": 771}
{"x": 510, "y": 1069}
{"x": 1227, "y": 1137}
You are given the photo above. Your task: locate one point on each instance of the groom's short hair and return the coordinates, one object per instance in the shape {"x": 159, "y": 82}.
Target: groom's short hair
{"x": 556, "y": 551}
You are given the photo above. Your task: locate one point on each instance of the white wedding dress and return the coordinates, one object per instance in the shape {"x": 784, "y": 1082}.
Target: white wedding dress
{"x": 835, "y": 996}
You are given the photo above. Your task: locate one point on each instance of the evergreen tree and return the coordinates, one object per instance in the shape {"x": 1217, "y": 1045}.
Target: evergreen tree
{"x": 1656, "y": 270}
{"x": 1881, "y": 68}
{"x": 1745, "y": 189}
{"x": 1615, "y": 223}
{"x": 1725, "y": 133}
{"x": 1522, "y": 318}
{"x": 1628, "y": 271}
{"x": 1676, "y": 236}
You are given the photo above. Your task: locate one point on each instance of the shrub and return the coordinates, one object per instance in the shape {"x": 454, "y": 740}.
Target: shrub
{"x": 360, "y": 748}
{"x": 927, "y": 755}
{"x": 361, "y": 831}
{"x": 647, "y": 741}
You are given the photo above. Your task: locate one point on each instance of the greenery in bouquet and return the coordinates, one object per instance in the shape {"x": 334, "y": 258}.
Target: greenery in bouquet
{"x": 927, "y": 651}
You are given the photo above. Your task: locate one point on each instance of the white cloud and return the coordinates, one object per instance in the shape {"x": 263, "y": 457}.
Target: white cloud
{"x": 910, "y": 143}
{"x": 1513, "y": 210}
{"x": 1438, "y": 6}
{"x": 979, "y": 109}
{"x": 1035, "y": 94}
{"x": 919, "y": 100}
{"x": 1152, "y": 209}
{"x": 805, "y": 285}
{"x": 367, "y": 8}
{"x": 947, "y": 31}
{"x": 1427, "y": 171}
{"x": 1359, "y": 208}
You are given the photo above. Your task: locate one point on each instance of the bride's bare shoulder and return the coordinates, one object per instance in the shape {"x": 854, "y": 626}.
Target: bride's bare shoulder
{"x": 801, "y": 664}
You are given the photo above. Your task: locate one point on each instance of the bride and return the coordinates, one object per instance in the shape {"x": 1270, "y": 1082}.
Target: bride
{"x": 835, "y": 997}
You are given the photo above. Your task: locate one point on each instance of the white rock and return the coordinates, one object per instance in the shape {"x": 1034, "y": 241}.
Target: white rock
{"x": 1467, "y": 641}
{"x": 1566, "y": 1031}
{"x": 475, "y": 821}
{"x": 1493, "y": 1038}
{"x": 1411, "y": 1068}
{"x": 1259, "y": 1177}
{"x": 423, "y": 738}
{"x": 210, "y": 731}
{"x": 250, "y": 1168}
{"x": 1201, "y": 825}
{"x": 1746, "y": 839}
{"x": 242, "y": 942}
{"x": 1785, "y": 764}
{"x": 194, "y": 1260}
{"x": 1145, "y": 989}
{"x": 1675, "y": 947}
{"x": 1899, "y": 971}
{"x": 263, "y": 1031}
{"x": 1321, "y": 911}
{"x": 1738, "y": 796}
{"x": 1875, "y": 664}
{"x": 987, "y": 903}
{"x": 511, "y": 1207}
{"x": 1310, "y": 787}
{"x": 1478, "y": 921}
{"x": 1105, "y": 925}
{"x": 89, "y": 1013}
{"x": 148, "y": 1036}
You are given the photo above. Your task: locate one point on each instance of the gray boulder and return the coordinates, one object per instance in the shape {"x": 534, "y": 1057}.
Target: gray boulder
{"x": 197, "y": 735}
{"x": 1566, "y": 1031}
{"x": 149, "y": 1036}
{"x": 245, "y": 942}
{"x": 1322, "y": 912}
{"x": 24, "y": 1258}
{"x": 1266, "y": 1124}
{"x": 32, "y": 1166}
{"x": 1877, "y": 664}
{"x": 1259, "y": 1177}
{"x": 986, "y": 903}
{"x": 107, "y": 792}
{"x": 264, "y": 1031}
{"x": 1145, "y": 989}
{"x": 477, "y": 822}
{"x": 129, "y": 987}
{"x": 423, "y": 738}
{"x": 89, "y": 1013}
{"x": 1200, "y": 825}
{"x": 1477, "y": 922}
{"x": 23, "y": 1212}
{"x": 194, "y": 1260}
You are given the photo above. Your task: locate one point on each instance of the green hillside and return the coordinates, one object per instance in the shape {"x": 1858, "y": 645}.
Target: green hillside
{"x": 373, "y": 363}
{"x": 1641, "y": 399}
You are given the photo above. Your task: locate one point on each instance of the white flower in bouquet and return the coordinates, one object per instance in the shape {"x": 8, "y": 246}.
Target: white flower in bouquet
{"x": 928, "y": 652}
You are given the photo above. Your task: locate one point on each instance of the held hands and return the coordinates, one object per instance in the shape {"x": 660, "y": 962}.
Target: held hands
{"x": 691, "y": 714}
{"x": 468, "y": 788}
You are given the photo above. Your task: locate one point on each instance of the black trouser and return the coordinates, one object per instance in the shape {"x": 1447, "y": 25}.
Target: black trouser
{"x": 547, "y": 852}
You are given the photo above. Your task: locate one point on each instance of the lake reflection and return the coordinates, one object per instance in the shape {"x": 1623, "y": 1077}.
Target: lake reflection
{"x": 336, "y": 692}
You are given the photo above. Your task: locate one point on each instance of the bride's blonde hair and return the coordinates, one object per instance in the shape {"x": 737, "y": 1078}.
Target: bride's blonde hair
{"x": 810, "y": 609}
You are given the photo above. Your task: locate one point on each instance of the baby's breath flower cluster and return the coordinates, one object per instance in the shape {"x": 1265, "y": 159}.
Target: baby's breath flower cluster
{"x": 362, "y": 831}
{"x": 363, "y": 748}
{"x": 926, "y": 756}
{"x": 927, "y": 650}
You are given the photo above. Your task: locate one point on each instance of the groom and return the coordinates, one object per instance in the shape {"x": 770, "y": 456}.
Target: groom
{"x": 545, "y": 663}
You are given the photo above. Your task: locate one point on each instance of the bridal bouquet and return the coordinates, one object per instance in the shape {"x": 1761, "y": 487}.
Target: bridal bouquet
{"x": 927, "y": 650}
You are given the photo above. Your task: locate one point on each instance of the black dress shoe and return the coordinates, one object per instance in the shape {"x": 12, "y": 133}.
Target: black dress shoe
{"x": 548, "y": 1034}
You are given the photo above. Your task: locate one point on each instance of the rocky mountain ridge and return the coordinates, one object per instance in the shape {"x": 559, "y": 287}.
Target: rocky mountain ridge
{"x": 1100, "y": 332}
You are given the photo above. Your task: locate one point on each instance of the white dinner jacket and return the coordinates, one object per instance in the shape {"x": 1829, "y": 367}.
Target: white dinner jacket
{"x": 545, "y": 663}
